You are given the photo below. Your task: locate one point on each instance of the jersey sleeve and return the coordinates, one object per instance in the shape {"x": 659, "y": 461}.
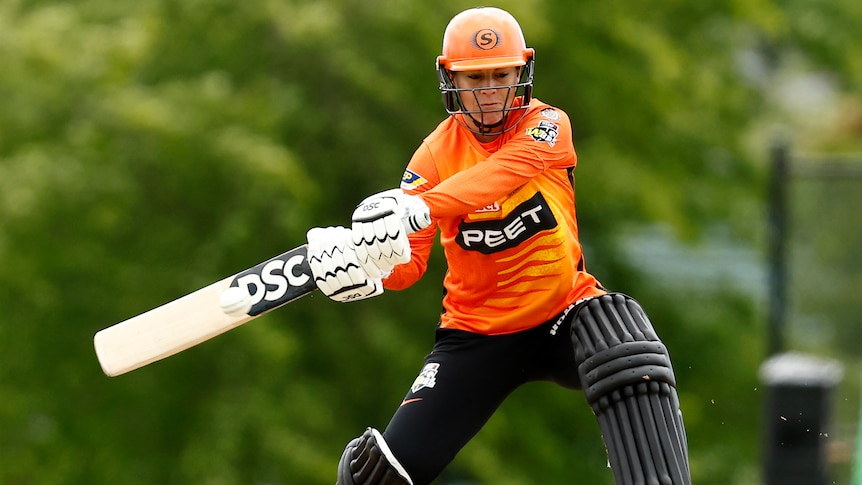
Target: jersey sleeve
{"x": 421, "y": 242}
{"x": 540, "y": 142}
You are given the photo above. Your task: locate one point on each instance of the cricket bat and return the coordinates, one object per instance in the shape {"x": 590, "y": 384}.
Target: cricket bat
{"x": 205, "y": 313}
{"x": 223, "y": 305}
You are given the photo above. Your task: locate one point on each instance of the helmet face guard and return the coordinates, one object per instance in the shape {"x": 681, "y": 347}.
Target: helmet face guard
{"x": 517, "y": 100}
{"x": 479, "y": 39}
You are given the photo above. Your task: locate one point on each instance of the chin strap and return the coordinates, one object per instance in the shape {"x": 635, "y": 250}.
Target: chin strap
{"x": 485, "y": 128}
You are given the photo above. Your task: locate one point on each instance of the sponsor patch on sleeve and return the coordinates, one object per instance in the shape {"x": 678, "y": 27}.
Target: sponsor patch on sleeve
{"x": 545, "y": 131}
{"x": 411, "y": 180}
{"x": 551, "y": 114}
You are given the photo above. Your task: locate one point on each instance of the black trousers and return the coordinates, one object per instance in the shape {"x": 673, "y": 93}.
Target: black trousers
{"x": 465, "y": 379}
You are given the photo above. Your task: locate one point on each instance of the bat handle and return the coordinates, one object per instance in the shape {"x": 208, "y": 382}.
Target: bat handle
{"x": 417, "y": 221}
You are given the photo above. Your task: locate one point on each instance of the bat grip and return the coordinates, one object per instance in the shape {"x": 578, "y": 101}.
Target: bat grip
{"x": 417, "y": 221}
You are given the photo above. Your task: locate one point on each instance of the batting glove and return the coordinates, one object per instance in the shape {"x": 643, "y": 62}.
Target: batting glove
{"x": 335, "y": 267}
{"x": 381, "y": 223}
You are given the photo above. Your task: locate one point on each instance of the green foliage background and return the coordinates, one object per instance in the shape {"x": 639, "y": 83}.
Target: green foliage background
{"x": 149, "y": 148}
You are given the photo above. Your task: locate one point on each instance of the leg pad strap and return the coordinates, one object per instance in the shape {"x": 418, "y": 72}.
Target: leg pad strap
{"x": 625, "y": 364}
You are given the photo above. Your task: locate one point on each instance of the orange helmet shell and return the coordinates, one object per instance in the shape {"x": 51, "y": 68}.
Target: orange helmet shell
{"x": 483, "y": 38}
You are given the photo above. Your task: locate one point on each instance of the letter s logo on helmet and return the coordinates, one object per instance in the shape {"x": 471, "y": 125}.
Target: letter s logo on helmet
{"x": 486, "y": 39}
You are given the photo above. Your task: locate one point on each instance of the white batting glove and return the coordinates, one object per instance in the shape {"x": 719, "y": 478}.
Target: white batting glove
{"x": 381, "y": 223}
{"x": 335, "y": 267}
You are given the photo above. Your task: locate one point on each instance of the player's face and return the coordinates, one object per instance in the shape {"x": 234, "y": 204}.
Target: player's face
{"x": 490, "y": 93}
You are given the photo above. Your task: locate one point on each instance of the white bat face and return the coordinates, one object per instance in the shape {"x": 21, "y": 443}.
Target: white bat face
{"x": 199, "y": 316}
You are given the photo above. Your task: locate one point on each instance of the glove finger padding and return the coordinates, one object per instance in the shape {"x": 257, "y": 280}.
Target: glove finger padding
{"x": 335, "y": 267}
{"x": 380, "y": 231}
{"x": 382, "y": 242}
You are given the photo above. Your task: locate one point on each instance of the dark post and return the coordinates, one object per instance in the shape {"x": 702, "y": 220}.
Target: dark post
{"x": 777, "y": 247}
{"x": 799, "y": 395}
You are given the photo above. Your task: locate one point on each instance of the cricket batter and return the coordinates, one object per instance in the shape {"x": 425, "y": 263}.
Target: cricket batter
{"x": 496, "y": 178}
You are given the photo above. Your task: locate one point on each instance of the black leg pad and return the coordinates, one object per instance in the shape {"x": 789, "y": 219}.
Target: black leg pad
{"x": 629, "y": 383}
{"x": 367, "y": 460}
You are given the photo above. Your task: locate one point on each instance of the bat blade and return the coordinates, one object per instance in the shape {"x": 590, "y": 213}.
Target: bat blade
{"x": 198, "y": 316}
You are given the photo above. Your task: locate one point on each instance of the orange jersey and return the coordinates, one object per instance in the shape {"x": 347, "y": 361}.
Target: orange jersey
{"x": 506, "y": 215}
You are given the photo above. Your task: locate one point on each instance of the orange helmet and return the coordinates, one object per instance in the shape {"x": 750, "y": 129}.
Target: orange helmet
{"x": 483, "y": 38}
{"x": 478, "y": 39}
